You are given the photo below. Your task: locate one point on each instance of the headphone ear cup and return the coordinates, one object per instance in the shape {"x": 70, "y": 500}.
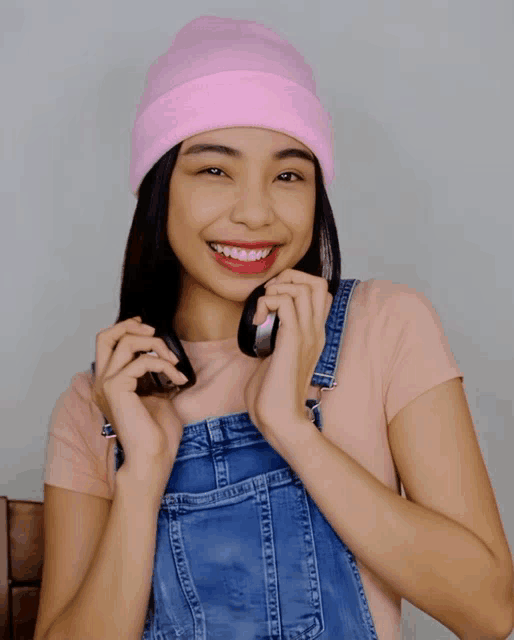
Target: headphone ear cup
{"x": 183, "y": 365}
{"x": 257, "y": 341}
{"x": 153, "y": 381}
{"x": 172, "y": 342}
{"x": 266, "y": 335}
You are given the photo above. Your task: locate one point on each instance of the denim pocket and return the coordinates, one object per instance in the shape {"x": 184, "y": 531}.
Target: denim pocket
{"x": 238, "y": 562}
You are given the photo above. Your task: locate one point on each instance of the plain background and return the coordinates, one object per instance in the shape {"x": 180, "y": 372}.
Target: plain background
{"x": 421, "y": 98}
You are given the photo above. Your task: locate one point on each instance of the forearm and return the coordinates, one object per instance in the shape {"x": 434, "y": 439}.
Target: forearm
{"x": 431, "y": 561}
{"x": 113, "y": 599}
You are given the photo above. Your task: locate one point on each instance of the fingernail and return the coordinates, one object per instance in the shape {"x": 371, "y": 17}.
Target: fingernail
{"x": 182, "y": 377}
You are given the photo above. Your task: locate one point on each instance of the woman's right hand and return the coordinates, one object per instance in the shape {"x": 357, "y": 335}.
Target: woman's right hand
{"x": 148, "y": 427}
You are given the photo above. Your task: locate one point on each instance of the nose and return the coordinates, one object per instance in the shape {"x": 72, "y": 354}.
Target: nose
{"x": 254, "y": 205}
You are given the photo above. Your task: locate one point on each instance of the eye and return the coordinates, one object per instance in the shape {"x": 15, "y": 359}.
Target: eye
{"x": 210, "y": 169}
{"x": 285, "y": 173}
{"x": 291, "y": 173}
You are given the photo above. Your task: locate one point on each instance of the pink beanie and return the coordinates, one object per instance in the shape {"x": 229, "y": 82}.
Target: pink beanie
{"x": 221, "y": 73}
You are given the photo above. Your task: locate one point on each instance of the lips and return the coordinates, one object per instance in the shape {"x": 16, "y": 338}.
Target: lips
{"x": 244, "y": 245}
{"x": 252, "y": 267}
{"x": 273, "y": 248}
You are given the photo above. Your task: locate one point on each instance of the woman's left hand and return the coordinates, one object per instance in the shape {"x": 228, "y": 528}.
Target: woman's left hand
{"x": 275, "y": 395}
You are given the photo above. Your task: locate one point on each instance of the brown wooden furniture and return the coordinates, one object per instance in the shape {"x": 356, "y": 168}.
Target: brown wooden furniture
{"x": 21, "y": 566}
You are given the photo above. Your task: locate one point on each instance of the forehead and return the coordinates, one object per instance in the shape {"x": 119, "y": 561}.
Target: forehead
{"x": 245, "y": 137}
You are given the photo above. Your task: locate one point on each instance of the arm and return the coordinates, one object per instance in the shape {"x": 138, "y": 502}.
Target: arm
{"x": 113, "y": 599}
{"x": 431, "y": 551}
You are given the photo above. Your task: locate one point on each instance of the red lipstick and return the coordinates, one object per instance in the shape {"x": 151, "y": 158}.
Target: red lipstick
{"x": 244, "y": 245}
{"x": 252, "y": 268}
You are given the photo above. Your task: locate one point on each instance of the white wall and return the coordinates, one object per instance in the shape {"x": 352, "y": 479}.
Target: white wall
{"x": 421, "y": 97}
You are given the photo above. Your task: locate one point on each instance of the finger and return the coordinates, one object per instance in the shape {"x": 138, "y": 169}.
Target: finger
{"x": 301, "y": 295}
{"x": 107, "y": 339}
{"x": 286, "y": 310}
{"x": 330, "y": 300}
{"x": 319, "y": 290}
{"x": 130, "y": 347}
{"x": 152, "y": 362}
{"x": 138, "y": 368}
{"x": 320, "y": 306}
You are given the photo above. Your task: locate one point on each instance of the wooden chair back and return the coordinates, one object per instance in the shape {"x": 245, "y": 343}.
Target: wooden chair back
{"x": 21, "y": 566}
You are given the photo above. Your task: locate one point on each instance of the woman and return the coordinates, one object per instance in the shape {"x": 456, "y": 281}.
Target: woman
{"x": 238, "y": 505}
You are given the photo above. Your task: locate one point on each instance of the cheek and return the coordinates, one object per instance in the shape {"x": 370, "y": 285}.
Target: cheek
{"x": 180, "y": 233}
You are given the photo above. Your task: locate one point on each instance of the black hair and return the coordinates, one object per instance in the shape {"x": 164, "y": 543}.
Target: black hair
{"x": 151, "y": 270}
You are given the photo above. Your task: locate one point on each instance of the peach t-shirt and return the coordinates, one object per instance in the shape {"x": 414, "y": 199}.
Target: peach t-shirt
{"x": 394, "y": 349}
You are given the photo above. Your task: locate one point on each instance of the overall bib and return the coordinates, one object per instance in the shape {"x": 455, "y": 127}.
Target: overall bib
{"x": 242, "y": 551}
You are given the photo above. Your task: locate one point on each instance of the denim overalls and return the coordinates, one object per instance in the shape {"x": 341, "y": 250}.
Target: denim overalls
{"x": 242, "y": 551}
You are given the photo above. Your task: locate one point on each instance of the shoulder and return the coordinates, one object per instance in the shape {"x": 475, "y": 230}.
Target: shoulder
{"x": 402, "y": 333}
{"x": 385, "y": 303}
{"x": 74, "y": 407}
{"x": 375, "y": 293}
{"x": 79, "y": 390}
{"x": 77, "y": 455}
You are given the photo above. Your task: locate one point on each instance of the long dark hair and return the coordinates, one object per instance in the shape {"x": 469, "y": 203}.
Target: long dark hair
{"x": 151, "y": 270}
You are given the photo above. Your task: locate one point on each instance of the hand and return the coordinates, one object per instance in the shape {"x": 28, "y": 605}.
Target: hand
{"x": 147, "y": 427}
{"x": 275, "y": 395}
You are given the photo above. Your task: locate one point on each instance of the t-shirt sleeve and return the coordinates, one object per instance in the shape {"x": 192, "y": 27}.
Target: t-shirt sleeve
{"x": 71, "y": 460}
{"x": 416, "y": 352}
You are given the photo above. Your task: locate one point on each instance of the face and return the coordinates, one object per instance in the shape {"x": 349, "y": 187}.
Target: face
{"x": 248, "y": 196}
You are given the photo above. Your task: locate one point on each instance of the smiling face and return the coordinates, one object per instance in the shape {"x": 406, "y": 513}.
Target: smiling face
{"x": 249, "y": 195}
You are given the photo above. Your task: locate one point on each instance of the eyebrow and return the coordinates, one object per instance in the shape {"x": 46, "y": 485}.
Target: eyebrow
{"x": 291, "y": 152}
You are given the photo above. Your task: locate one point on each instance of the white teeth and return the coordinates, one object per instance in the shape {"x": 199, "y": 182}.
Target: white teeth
{"x": 241, "y": 254}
